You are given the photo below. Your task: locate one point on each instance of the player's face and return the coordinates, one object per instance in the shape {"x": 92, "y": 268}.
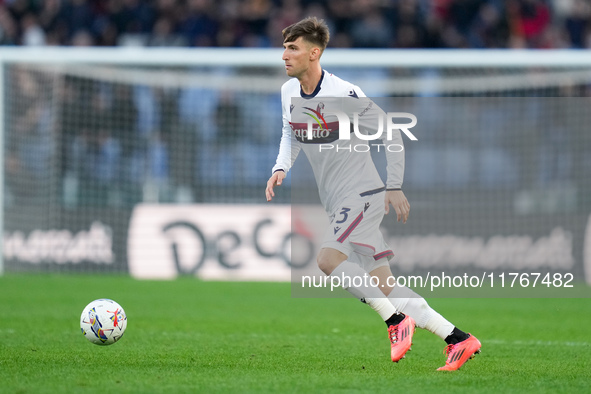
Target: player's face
{"x": 297, "y": 56}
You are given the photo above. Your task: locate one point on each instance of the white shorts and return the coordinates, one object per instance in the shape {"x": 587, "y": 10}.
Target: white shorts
{"x": 355, "y": 231}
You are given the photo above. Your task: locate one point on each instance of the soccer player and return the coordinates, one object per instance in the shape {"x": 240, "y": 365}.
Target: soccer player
{"x": 353, "y": 194}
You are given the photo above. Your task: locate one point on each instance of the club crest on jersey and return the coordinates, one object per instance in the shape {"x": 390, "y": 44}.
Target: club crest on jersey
{"x": 317, "y": 115}
{"x": 322, "y": 131}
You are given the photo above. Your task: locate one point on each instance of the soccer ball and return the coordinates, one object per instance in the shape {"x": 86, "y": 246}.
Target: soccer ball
{"x": 103, "y": 322}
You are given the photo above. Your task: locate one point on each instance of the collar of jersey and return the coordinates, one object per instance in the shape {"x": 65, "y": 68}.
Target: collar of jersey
{"x": 315, "y": 92}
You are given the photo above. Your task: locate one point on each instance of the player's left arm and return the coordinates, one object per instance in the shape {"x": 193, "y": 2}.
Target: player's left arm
{"x": 394, "y": 149}
{"x": 398, "y": 200}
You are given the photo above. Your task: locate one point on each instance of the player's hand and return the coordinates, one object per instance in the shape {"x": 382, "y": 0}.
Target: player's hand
{"x": 275, "y": 180}
{"x": 399, "y": 203}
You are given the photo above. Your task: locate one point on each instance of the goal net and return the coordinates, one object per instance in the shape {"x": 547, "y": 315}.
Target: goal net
{"x": 503, "y": 151}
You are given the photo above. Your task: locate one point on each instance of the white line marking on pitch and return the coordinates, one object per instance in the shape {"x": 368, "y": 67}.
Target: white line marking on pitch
{"x": 535, "y": 343}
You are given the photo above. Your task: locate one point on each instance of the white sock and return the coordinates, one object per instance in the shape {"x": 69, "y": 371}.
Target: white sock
{"x": 410, "y": 303}
{"x": 346, "y": 272}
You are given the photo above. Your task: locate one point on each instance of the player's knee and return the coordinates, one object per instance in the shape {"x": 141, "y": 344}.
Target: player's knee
{"x": 419, "y": 304}
{"x": 328, "y": 259}
{"x": 325, "y": 264}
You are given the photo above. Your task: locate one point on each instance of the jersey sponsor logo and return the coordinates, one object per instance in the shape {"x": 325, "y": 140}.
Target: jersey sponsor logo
{"x": 319, "y": 136}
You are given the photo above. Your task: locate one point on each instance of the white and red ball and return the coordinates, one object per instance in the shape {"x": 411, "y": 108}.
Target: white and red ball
{"x": 103, "y": 322}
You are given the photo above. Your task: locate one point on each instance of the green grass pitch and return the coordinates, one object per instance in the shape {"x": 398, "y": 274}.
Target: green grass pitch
{"x": 193, "y": 336}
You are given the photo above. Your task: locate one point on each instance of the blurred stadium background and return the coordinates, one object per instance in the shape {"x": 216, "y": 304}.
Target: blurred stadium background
{"x": 126, "y": 124}
{"x": 137, "y": 138}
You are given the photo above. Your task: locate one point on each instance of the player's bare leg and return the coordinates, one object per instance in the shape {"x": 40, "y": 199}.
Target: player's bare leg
{"x": 400, "y": 327}
{"x": 461, "y": 346}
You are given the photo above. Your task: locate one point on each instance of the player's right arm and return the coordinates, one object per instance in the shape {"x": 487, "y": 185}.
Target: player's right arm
{"x": 275, "y": 180}
{"x": 289, "y": 148}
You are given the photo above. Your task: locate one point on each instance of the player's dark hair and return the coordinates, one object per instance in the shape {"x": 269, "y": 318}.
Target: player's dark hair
{"x": 311, "y": 29}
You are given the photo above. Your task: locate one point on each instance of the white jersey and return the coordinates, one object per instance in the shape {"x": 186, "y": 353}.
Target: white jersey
{"x": 342, "y": 167}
